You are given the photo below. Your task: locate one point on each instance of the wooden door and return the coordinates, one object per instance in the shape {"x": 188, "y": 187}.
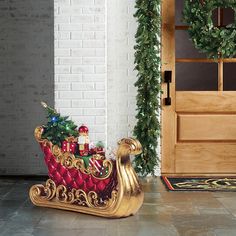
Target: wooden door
{"x": 199, "y": 127}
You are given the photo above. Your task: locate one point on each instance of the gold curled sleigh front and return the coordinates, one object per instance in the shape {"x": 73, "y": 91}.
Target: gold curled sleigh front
{"x": 125, "y": 200}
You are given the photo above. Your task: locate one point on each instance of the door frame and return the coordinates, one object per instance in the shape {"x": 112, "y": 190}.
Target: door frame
{"x": 168, "y": 116}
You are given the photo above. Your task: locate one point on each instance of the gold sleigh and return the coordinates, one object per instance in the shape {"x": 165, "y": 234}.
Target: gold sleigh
{"x": 124, "y": 200}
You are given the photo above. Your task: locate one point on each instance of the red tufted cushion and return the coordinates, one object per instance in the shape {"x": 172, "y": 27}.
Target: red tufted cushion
{"x": 74, "y": 178}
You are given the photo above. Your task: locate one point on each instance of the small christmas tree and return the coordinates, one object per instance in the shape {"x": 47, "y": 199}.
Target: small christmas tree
{"x": 58, "y": 127}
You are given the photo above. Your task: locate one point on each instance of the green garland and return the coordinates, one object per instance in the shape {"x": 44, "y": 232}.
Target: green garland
{"x": 206, "y": 37}
{"x": 147, "y": 63}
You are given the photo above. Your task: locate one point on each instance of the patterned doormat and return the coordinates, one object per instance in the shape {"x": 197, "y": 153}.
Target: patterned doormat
{"x": 200, "y": 183}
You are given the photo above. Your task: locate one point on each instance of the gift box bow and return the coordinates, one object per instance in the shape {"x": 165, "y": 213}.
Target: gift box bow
{"x": 71, "y": 139}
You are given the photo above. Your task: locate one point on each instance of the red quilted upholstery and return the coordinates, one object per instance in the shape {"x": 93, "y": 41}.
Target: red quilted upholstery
{"x": 74, "y": 178}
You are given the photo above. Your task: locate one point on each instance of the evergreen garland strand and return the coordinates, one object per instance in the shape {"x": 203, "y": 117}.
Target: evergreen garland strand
{"x": 147, "y": 64}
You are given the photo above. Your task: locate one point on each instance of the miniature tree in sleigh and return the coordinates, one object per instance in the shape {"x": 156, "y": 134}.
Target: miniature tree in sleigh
{"x": 82, "y": 179}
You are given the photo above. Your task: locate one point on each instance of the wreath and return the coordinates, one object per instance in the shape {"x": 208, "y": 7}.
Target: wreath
{"x": 214, "y": 41}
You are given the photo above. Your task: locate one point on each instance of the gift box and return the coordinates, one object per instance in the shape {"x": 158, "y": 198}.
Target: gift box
{"x": 70, "y": 145}
{"x": 96, "y": 164}
{"x": 92, "y": 148}
{"x": 99, "y": 149}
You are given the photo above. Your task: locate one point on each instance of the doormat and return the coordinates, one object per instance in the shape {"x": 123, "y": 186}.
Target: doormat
{"x": 200, "y": 183}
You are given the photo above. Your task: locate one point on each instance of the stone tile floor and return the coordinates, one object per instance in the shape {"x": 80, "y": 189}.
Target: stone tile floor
{"x": 163, "y": 213}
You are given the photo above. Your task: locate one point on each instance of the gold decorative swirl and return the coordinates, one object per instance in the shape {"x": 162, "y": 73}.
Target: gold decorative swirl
{"x": 38, "y": 133}
{"x": 40, "y": 194}
{"x": 67, "y": 160}
{"x": 63, "y": 195}
{"x": 57, "y": 153}
{"x": 46, "y": 192}
{"x": 135, "y": 146}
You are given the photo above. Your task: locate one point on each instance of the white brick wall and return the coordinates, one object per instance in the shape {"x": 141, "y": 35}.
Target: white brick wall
{"x": 80, "y": 63}
{"x": 121, "y": 77}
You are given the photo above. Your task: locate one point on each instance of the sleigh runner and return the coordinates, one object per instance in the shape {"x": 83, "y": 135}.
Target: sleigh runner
{"x": 108, "y": 188}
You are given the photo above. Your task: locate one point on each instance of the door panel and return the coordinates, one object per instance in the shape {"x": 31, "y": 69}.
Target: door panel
{"x": 207, "y": 101}
{"x": 207, "y": 127}
{"x": 199, "y": 127}
{"x": 205, "y": 159}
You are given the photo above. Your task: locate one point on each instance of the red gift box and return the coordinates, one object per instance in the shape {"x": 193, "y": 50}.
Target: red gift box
{"x": 100, "y": 150}
{"x": 96, "y": 164}
{"x": 97, "y": 167}
{"x": 69, "y": 145}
